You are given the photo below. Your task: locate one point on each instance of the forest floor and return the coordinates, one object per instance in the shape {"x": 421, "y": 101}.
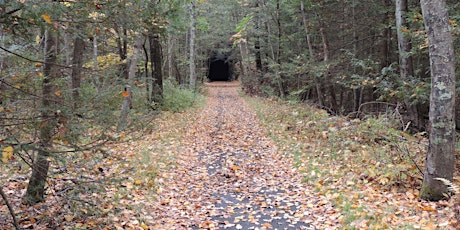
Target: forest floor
{"x": 240, "y": 163}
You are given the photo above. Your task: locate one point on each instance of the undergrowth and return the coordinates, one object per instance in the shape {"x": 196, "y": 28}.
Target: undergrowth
{"x": 368, "y": 167}
{"x": 112, "y": 181}
{"x": 177, "y": 98}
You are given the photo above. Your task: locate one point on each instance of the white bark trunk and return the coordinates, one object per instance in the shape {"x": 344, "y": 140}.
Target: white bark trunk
{"x": 405, "y": 60}
{"x": 440, "y": 162}
{"x": 404, "y": 45}
{"x": 125, "y": 106}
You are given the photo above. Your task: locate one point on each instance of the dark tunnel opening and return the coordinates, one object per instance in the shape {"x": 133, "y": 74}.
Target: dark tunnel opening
{"x": 220, "y": 67}
{"x": 219, "y": 70}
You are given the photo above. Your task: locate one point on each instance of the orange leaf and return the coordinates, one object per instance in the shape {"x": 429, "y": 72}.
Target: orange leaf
{"x": 267, "y": 225}
{"x": 165, "y": 202}
{"x": 125, "y": 94}
{"x": 57, "y": 93}
{"x": 47, "y": 18}
{"x": 429, "y": 209}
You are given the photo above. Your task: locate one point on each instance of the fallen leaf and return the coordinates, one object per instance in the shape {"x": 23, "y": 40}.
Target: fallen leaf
{"x": 7, "y": 154}
{"x": 68, "y": 218}
{"x": 124, "y": 94}
{"x": 47, "y": 18}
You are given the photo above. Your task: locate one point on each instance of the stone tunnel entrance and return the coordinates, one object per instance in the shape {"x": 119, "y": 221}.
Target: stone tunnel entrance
{"x": 220, "y": 67}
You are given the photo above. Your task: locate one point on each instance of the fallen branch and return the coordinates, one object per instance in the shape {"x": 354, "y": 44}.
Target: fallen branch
{"x": 15, "y": 222}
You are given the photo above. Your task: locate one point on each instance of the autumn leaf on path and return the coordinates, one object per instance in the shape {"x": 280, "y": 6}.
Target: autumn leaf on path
{"x": 232, "y": 176}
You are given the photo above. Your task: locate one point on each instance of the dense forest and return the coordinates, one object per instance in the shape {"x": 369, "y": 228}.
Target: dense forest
{"x": 79, "y": 76}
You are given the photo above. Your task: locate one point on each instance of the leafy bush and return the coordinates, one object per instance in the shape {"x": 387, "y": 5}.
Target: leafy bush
{"x": 177, "y": 98}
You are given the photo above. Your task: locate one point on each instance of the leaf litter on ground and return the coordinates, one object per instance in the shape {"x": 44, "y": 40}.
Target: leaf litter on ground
{"x": 224, "y": 167}
{"x": 231, "y": 176}
{"x": 368, "y": 168}
{"x": 107, "y": 188}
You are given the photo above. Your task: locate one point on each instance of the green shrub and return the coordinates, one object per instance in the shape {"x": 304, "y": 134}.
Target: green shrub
{"x": 177, "y": 98}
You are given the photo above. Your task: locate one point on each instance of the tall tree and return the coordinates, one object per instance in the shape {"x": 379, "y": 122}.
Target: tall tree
{"x": 386, "y": 35}
{"x": 77, "y": 64}
{"x": 156, "y": 66}
{"x": 36, "y": 187}
{"x": 192, "y": 45}
{"x": 307, "y": 31}
{"x": 126, "y": 104}
{"x": 257, "y": 48}
{"x": 406, "y": 69}
{"x": 441, "y": 159}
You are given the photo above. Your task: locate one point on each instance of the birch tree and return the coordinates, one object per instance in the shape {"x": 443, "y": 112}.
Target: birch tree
{"x": 125, "y": 106}
{"x": 441, "y": 159}
{"x": 406, "y": 69}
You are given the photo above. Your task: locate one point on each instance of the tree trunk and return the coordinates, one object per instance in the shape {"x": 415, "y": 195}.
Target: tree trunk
{"x": 244, "y": 58}
{"x": 269, "y": 33}
{"x": 68, "y": 54}
{"x": 354, "y": 28}
{"x": 36, "y": 187}
{"x": 257, "y": 49}
{"x": 279, "y": 32}
{"x": 157, "y": 72}
{"x": 192, "y": 45}
{"x": 404, "y": 44}
{"x": 385, "y": 47}
{"x": 170, "y": 57}
{"x": 318, "y": 85}
{"x": 147, "y": 73}
{"x": 356, "y": 98}
{"x": 326, "y": 74}
{"x": 126, "y": 104}
{"x": 405, "y": 60}
{"x": 325, "y": 43}
{"x": 440, "y": 161}
{"x": 122, "y": 44}
{"x": 357, "y": 91}
{"x": 319, "y": 93}
{"x": 77, "y": 64}
{"x": 307, "y": 32}
{"x": 99, "y": 80}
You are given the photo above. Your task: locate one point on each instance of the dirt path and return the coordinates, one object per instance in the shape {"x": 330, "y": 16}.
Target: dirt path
{"x": 231, "y": 176}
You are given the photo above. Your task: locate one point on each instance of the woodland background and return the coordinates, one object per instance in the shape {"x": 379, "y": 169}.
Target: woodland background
{"x": 77, "y": 76}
